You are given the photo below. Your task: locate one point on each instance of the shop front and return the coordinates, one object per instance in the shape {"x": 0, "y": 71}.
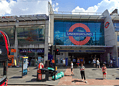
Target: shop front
{"x": 32, "y": 54}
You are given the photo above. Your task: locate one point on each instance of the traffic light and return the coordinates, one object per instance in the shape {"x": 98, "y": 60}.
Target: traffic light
{"x": 50, "y": 50}
{"x": 57, "y": 52}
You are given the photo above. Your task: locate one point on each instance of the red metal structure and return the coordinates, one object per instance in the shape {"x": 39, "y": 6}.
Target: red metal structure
{"x": 4, "y": 51}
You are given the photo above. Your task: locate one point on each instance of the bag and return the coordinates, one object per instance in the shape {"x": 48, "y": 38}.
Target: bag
{"x": 103, "y": 72}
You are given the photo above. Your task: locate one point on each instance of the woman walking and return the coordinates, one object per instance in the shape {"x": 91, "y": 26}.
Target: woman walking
{"x": 98, "y": 63}
{"x": 104, "y": 71}
{"x": 82, "y": 70}
{"x": 94, "y": 62}
{"x": 72, "y": 68}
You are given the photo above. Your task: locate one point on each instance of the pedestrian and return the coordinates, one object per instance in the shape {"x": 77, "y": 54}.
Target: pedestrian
{"x": 110, "y": 63}
{"x": 104, "y": 71}
{"x": 72, "y": 68}
{"x": 98, "y": 63}
{"x": 40, "y": 66}
{"x": 105, "y": 62}
{"x": 53, "y": 62}
{"x": 82, "y": 71}
{"x": 94, "y": 62}
{"x": 78, "y": 62}
{"x": 63, "y": 62}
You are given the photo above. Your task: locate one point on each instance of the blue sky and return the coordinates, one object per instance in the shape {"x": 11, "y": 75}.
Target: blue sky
{"x": 69, "y": 5}
{"x": 31, "y": 7}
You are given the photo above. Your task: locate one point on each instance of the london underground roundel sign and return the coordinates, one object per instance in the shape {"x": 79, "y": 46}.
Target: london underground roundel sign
{"x": 107, "y": 24}
{"x": 87, "y": 34}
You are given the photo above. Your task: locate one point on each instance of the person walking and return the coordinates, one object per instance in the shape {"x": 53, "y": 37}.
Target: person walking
{"x": 53, "y": 62}
{"x": 78, "y": 62}
{"x": 94, "y": 62}
{"x": 63, "y": 62}
{"x": 82, "y": 71}
{"x": 98, "y": 63}
{"x": 110, "y": 63}
{"x": 104, "y": 71}
{"x": 72, "y": 68}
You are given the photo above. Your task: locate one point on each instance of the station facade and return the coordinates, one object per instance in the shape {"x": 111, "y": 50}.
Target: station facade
{"x": 84, "y": 36}
{"x": 81, "y": 35}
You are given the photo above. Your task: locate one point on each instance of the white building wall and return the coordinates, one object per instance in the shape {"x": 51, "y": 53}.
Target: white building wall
{"x": 110, "y": 36}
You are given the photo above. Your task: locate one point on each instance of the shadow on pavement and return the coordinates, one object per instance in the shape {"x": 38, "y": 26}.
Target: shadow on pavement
{"x": 34, "y": 75}
{"x": 35, "y": 80}
{"x": 14, "y": 77}
{"x": 68, "y": 75}
{"x": 94, "y": 69}
{"x": 77, "y": 81}
{"x": 117, "y": 78}
{"x": 36, "y": 68}
{"x": 99, "y": 78}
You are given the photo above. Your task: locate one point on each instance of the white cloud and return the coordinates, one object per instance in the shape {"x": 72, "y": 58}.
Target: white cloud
{"x": 100, "y": 7}
{"x": 57, "y": 4}
{"x": 24, "y": 7}
{"x": 55, "y": 7}
{"x": 4, "y": 8}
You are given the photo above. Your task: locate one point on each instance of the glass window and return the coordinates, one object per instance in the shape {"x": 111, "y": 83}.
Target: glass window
{"x": 30, "y": 35}
{"x": 10, "y": 34}
{"x": 118, "y": 38}
{"x": 2, "y": 41}
{"x": 2, "y": 69}
{"x": 61, "y": 29}
{"x": 116, "y": 26}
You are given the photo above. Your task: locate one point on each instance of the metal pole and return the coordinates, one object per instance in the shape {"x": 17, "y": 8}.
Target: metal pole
{"x": 55, "y": 61}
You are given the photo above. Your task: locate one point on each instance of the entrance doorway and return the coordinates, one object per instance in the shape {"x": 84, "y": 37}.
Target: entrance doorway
{"x": 85, "y": 58}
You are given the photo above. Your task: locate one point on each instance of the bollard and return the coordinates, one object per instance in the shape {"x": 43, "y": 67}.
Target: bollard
{"x": 55, "y": 68}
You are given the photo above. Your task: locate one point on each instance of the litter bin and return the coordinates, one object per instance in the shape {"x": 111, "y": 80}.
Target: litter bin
{"x": 51, "y": 71}
{"x": 43, "y": 74}
{"x": 39, "y": 75}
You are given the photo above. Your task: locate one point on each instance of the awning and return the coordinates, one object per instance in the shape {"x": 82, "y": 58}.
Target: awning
{"x": 81, "y": 47}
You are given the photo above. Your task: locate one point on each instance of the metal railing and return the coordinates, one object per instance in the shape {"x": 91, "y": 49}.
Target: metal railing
{"x": 78, "y": 13}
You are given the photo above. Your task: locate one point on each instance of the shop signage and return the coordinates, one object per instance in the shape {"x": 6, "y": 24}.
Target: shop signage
{"x": 87, "y": 34}
{"x": 79, "y": 34}
{"x": 107, "y": 24}
{"x": 32, "y": 50}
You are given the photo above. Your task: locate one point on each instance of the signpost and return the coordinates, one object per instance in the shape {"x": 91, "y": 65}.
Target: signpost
{"x": 55, "y": 61}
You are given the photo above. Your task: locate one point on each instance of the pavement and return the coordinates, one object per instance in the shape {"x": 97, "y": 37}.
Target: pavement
{"x": 93, "y": 77}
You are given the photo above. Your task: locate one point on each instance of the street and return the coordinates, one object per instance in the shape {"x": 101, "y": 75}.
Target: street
{"x": 93, "y": 76}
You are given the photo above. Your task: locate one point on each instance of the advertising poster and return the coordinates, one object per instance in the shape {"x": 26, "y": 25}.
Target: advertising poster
{"x": 25, "y": 66}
